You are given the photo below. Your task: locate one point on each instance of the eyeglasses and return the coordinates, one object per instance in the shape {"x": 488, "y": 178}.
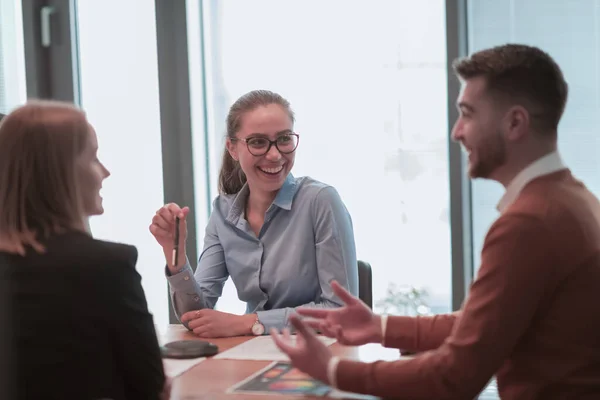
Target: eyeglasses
{"x": 259, "y": 146}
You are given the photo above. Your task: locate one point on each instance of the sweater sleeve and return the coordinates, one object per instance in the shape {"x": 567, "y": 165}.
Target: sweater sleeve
{"x": 518, "y": 262}
{"x": 416, "y": 334}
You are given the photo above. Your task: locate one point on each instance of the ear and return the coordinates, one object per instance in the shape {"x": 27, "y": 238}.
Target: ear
{"x": 517, "y": 123}
{"x": 232, "y": 149}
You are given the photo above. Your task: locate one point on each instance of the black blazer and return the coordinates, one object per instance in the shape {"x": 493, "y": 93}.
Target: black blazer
{"x": 80, "y": 324}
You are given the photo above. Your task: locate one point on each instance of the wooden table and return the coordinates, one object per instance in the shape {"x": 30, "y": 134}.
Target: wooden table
{"x": 212, "y": 377}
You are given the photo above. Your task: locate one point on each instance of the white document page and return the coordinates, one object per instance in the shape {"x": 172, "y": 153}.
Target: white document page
{"x": 174, "y": 367}
{"x": 261, "y": 348}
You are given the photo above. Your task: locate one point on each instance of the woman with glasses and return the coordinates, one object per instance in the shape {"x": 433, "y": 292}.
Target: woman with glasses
{"x": 282, "y": 239}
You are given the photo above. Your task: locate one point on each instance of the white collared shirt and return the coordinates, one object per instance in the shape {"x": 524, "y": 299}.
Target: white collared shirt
{"x": 548, "y": 164}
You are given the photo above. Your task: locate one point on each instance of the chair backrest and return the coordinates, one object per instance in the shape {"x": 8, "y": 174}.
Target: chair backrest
{"x": 365, "y": 283}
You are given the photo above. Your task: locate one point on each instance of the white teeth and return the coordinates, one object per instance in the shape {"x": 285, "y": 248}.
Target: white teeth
{"x": 273, "y": 170}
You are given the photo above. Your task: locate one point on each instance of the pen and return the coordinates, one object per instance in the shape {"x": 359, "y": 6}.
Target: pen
{"x": 176, "y": 244}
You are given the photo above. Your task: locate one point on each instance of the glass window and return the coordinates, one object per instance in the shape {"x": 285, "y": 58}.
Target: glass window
{"x": 367, "y": 81}
{"x": 576, "y": 48}
{"x": 12, "y": 58}
{"x": 119, "y": 91}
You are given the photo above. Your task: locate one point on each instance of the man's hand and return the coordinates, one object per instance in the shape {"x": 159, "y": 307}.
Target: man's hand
{"x": 308, "y": 354}
{"x": 209, "y": 323}
{"x": 354, "y": 324}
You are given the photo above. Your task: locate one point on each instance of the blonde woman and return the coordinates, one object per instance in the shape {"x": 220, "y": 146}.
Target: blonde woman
{"x": 79, "y": 320}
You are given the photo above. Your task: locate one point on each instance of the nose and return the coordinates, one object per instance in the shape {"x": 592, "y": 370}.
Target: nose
{"x": 456, "y": 134}
{"x": 273, "y": 154}
{"x": 106, "y": 171}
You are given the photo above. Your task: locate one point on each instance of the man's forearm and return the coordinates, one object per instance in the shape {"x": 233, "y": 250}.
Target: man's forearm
{"x": 415, "y": 334}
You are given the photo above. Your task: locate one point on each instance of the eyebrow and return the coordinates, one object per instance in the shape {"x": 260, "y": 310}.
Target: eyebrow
{"x": 257, "y": 134}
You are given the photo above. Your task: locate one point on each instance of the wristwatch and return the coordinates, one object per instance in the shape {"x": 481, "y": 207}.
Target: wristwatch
{"x": 258, "y": 329}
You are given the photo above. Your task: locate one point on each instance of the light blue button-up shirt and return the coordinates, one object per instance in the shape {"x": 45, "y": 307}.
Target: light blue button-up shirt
{"x": 307, "y": 241}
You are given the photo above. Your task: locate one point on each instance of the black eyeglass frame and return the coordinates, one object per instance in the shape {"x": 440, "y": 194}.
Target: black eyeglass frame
{"x": 271, "y": 143}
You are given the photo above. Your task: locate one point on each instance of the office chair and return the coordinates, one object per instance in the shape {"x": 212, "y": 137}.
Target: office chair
{"x": 365, "y": 283}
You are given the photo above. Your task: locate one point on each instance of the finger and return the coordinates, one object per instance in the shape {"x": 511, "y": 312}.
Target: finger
{"x": 184, "y": 213}
{"x": 196, "y": 323}
{"x": 159, "y": 232}
{"x": 188, "y": 316}
{"x": 319, "y": 325}
{"x": 162, "y": 222}
{"x": 314, "y": 312}
{"x": 282, "y": 344}
{"x": 203, "y": 332}
{"x": 328, "y": 331}
{"x": 183, "y": 227}
{"x": 338, "y": 333}
{"x": 167, "y": 213}
{"x": 314, "y": 323}
{"x": 287, "y": 334}
{"x": 302, "y": 329}
{"x": 166, "y": 392}
{"x": 167, "y": 386}
{"x": 343, "y": 294}
{"x": 173, "y": 208}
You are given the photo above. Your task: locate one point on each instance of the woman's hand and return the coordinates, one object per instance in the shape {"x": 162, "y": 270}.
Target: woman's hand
{"x": 209, "y": 323}
{"x": 166, "y": 392}
{"x": 163, "y": 230}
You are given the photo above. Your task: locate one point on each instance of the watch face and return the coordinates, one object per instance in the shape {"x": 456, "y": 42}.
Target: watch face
{"x": 258, "y": 329}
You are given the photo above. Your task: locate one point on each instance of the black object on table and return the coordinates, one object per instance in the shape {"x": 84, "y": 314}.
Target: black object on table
{"x": 183, "y": 349}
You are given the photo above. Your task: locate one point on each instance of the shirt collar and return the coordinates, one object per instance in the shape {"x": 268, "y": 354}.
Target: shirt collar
{"x": 286, "y": 194}
{"x": 283, "y": 199}
{"x": 543, "y": 166}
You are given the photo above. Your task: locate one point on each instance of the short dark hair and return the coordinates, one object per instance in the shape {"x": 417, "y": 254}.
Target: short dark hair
{"x": 524, "y": 74}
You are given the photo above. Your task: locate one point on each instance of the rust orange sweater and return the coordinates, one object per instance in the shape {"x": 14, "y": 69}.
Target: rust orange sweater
{"x": 532, "y": 316}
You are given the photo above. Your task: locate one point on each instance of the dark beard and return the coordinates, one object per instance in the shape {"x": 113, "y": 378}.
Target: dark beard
{"x": 490, "y": 156}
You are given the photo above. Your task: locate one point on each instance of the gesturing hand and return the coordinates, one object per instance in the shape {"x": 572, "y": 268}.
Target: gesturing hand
{"x": 308, "y": 354}
{"x": 353, "y": 324}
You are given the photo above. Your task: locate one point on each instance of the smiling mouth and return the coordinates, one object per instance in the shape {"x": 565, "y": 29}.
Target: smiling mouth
{"x": 271, "y": 171}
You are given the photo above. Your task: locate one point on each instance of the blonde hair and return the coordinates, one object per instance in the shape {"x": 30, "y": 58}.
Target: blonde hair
{"x": 39, "y": 195}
